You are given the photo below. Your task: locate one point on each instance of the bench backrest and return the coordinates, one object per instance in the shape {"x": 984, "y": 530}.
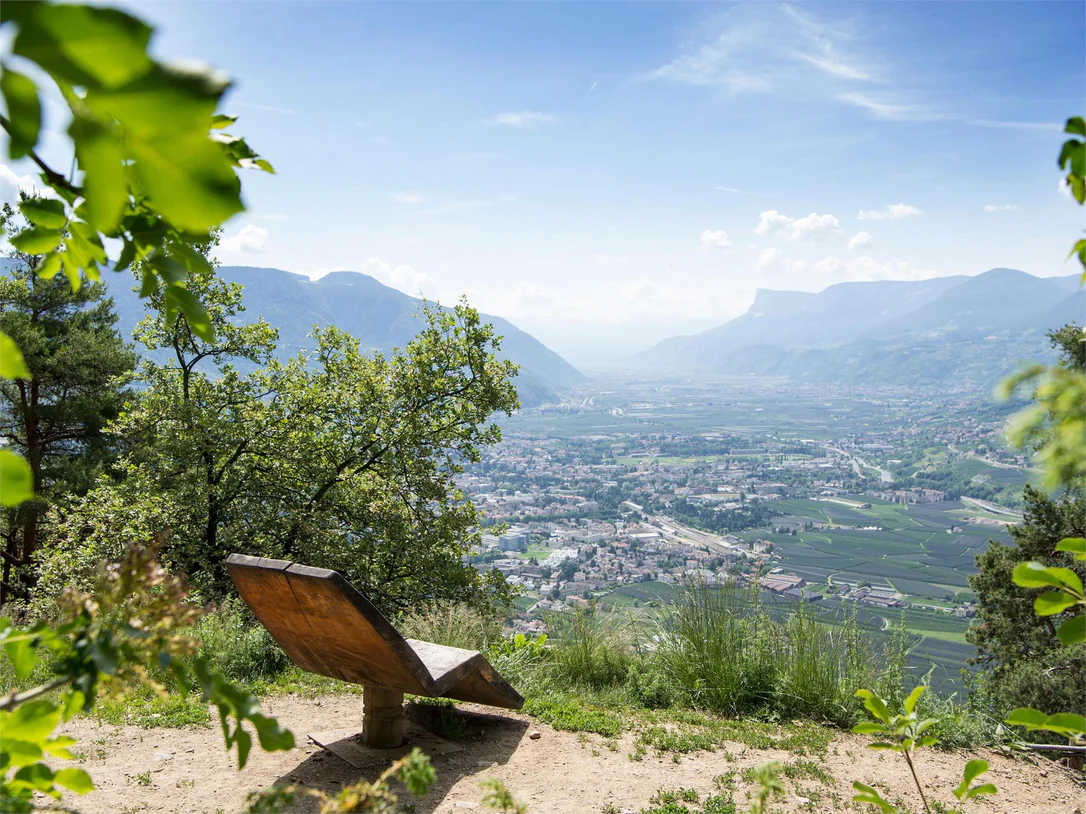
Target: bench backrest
{"x": 326, "y": 626}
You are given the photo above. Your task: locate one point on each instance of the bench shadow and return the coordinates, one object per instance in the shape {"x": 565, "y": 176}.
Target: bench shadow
{"x": 486, "y": 739}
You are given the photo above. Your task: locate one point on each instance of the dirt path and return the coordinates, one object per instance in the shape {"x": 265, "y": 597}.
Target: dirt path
{"x": 187, "y": 771}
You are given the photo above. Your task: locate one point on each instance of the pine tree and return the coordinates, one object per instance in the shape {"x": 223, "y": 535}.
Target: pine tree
{"x": 80, "y": 368}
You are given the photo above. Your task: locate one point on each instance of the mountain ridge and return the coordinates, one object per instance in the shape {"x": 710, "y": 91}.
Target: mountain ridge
{"x": 975, "y": 328}
{"x": 379, "y": 316}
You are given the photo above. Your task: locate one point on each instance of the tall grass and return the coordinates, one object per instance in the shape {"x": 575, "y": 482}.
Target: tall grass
{"x": 453, "y": 626}
{"x": 717, "y": 649}
{"x": 591, "y": 649}
{"x": 723, "y": 651}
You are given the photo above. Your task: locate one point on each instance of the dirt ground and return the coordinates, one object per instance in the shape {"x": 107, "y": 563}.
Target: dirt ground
{"x": 187, "y": 770}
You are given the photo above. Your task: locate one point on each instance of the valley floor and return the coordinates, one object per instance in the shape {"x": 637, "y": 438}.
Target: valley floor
{"x": 187, "y": 770}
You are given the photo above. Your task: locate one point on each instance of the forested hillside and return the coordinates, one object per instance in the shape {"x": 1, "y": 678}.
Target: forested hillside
{"x": 380, "y": 317}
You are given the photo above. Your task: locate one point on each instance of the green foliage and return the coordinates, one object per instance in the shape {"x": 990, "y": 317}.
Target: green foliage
{"x": 109, "y": 639}
{"x": 1073, "y": 159}
{"x": 55, "y": 417}
{"x": 156, "y": 167}
{"x": 721, "y": 650}
{"x": 414, "y": 770}
{"x": 1029, "y": 667}
{"x": 1056, "y": 421}
{"x": 453, "y": 625}
{"x": 590, "y": 649}
{"x": 903, "y": 732}
{"x": 769, "y": 784}
{"x": 339, "y": 458}
{"x": 497, "y": 797}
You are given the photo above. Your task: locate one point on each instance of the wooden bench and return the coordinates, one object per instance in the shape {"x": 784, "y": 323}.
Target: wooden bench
{"x": 329, "y": 628}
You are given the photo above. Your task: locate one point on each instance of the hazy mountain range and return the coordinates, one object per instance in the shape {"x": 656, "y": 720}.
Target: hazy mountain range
{"x": 380, "y": 317}
{"x": 960, "y": 330}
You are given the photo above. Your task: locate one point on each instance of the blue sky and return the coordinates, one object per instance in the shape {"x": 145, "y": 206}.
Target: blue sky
{"x": 609, "y": 174}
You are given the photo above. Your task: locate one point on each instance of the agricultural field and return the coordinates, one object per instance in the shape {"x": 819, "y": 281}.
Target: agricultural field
{"x": 923, "y": 550}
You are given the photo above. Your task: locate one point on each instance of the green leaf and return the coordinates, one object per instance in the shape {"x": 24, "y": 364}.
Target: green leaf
{"x": 102, "y": 160}
{"x": 84, "y": 45}
{"x": 47, "y": 212}
{"x": 76, "y": 780}
{"x": 127, "y": 255}
{"x": 1076, "y": 125}
{"x": 221, "y": 120}
{"x": 1052, "y": 602}
{"x": 16, "y": 479}
{"x": 32, "y": 721}
{"x": 875, "y": 705}
{"x": 868, "y": 728}
{"x": 24, "y": 111}
{"x": 20, "y": 752}
{"x": 872, "y": 796}
{"x": 1073, "y": 631}
{"x": 75, "y": 702}
{"x": 1036, "y": 575}
{"x": 71, "y": 271}
{"x": 987, "y": 788}
{"x": 37, "y": 776}
{"x": 973, "y": 769}
{"x": 190, "y": 306}
{"x": 1066, "y": 723}
{"x": 189, "y": 181}
{"x": 1029, "y": 718}
{"x": 23, "y": 655}
{"x": 12, "y": 363}
{"x": 60, "y": 746}
{"x": 273, "y": 737}
{"x": 1073, "y": 545}
{"x": 49, "y": 266}
{"x": 914, "y": 696}
{"x": 36, "y": 240}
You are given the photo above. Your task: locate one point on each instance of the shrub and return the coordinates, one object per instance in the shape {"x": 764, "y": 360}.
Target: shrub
{"x": 237, "y": 646}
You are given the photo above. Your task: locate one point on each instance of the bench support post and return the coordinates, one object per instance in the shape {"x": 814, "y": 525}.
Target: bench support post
{"x": 382, "y": 718}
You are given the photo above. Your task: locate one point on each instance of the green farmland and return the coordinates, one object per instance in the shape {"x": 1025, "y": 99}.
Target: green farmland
{"x": 923, "y": 550}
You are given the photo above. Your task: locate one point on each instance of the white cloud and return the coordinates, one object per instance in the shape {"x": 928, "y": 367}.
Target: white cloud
{"x": 762, "y": 48}
{"x": 11, "y": 184}
{"x": 837, "y": 269}
{"x": 734, "y": 190}
{"x": 892, "y": 111}
{"x": 814, "y": 225}
{"x": 890, "y": 212}
{"x": 249, "y": 239}
{"x": 999, "y": 207}
{"x": 771, "y": 222}
{"x": 409, "y": 197}
{"x": 715, "y": 239}
{"x": 402, "y": 277}
{"x": 1065, "y": 188}
{"x": 1042, "y": 127}
{"x": 834, "y": 65}
{"x": 524, "y": 119}
{"x": 861, "y": 240}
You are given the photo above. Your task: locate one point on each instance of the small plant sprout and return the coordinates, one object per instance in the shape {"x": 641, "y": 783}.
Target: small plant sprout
{"x": 497, "y": 797}
{"x": 903, "y": 733}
